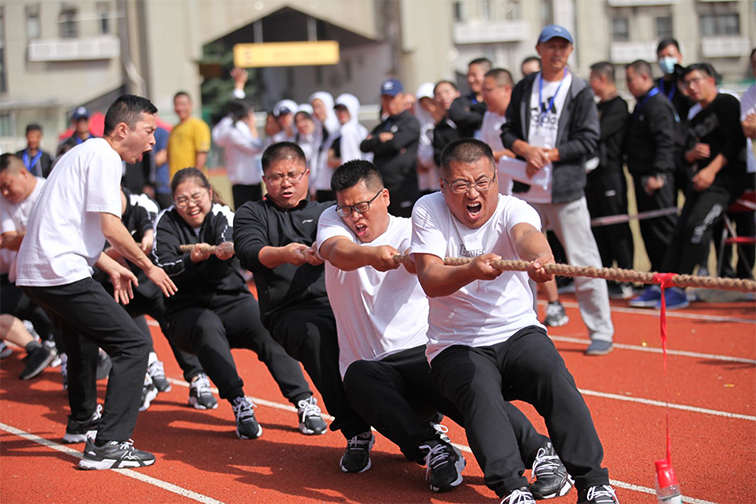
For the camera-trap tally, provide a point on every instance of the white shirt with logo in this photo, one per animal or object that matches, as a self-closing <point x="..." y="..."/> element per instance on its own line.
<point x="544" y="126"/>
<point x="63" y="240"/>
<point x="484" y="312"/>
<point x="14" y="217"/>
<point x="377" y="313"/>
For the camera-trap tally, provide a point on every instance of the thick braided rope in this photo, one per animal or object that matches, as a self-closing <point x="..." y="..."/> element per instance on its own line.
<point x="205" y="248"/>
<point x="619" y="275"/>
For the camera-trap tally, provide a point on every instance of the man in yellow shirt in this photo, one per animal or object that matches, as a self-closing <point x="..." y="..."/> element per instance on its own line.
<point x="189" y="141"/>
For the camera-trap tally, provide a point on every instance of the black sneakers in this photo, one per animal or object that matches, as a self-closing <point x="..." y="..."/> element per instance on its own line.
<point x="157" y="373"/>
<point x="200" y="395"/>
<point x="114" y="455"/>
<point x="79" y="432"/>
<point x="149" y="393"/>
<point x="551" y="478"/>
<point x="519" y="496"/>
<point x="246" y="423"/>
<point x="356" y="458"/>
<point x="444" y="465"/>
<point x="39" y="358"/>
<point x="603" y="494"/>
<point x="310" y="420"/>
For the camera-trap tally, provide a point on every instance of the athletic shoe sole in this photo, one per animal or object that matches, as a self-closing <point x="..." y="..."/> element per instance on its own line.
<point x="651" y="303"/>
<point x="165" y="388"/>
<point x="79" y="438"/>
<point x="99" y="465"/>
<point x="557" y="323"/>
<point x="460" y="465"/>
<point x="41" y="367"/>
<point x="242" y="436"/>
<point x="310" y="432"/>
<point x="196" y="405"/>
<point x="564" y="490"/>
<point x="151" y="395"/>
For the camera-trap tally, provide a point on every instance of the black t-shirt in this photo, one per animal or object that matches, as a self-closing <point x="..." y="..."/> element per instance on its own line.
<point x="718" y="125"/>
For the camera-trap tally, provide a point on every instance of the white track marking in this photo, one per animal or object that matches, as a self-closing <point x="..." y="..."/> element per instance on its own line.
<point x="670" y="314"/>
<point x="125" y="472"/>
<point x="466" y="449"/>
<point x="640" y="348"/>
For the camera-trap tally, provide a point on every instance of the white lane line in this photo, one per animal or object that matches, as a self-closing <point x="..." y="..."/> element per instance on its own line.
<point x="466" y="449"/>
<point x="662" y="404"/>
<point x="640" y="348"/>
<point x="125" y="472"/>
<point x="670" y="314"/>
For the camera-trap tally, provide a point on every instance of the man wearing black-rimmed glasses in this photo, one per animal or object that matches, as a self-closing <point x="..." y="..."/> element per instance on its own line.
<point x="272" y="239"/>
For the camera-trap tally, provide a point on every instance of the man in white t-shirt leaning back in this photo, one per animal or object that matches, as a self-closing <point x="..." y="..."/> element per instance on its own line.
<point x="485" y="344"/>
<point x="80" y="207"/>
<point x="382" y="320"/>
<point x="553" y="125"/>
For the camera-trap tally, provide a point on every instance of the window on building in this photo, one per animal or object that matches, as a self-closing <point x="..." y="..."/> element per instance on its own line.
<point x="3" y="87"/>
<point x="69" y="25"/>
<point x="103" y="16"/>
<point x="485" y="10"/>
<point x="547" y="12"/>
<point x="33" y="27"/>
<point x="715" y="25"/>
<point x="620" y="29"/>
<point x="7" y="125"/>
<point x="513" y="10"/>
<point x="459" y="11"/>
<point x="664" y="27"/>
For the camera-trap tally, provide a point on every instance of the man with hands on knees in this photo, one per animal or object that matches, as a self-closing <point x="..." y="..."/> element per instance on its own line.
<point x="485" y="344"/>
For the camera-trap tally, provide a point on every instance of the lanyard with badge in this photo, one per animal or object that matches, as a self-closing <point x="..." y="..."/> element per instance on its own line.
<point x="671" y="93"/>
<point x="30" y="164"/>
<point x="653" y="92"/>
<point x="545" y="136"/>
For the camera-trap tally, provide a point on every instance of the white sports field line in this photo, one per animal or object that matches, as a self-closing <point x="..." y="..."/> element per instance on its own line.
<point x="670" y="314"/>
<point x="125" y="472"/>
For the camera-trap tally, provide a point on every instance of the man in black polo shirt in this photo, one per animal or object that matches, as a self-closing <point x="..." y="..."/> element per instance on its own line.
<point x="273" y="240"/>
<point x="468" y="110"/>
<point x="394" y="143"/>
<point x="650" y="148"/>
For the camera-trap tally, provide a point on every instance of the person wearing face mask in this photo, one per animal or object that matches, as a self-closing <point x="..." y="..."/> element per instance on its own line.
<point x="394" y="143"/>
<point x="215" y="311"/>
<point x="467" y="111"/>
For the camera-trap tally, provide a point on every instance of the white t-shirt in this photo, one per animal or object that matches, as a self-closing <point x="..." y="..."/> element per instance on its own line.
<point x="490" y="133"/>
<point x="484" y="312"/>
<point x="14" y="217"/>
<point x="377" y="313"/>
<point x="544" y="126"/>
<point x="63" y="240"/>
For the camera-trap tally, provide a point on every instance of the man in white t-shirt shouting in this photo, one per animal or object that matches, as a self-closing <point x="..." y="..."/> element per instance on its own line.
<point x="78" y="209"/>
<point x="382" y="319"/>
<point x="552" y="124"/>
<point x="485" y="344"/>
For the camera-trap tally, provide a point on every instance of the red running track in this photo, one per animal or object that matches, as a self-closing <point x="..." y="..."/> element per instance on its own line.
<point x="712" y="389"/>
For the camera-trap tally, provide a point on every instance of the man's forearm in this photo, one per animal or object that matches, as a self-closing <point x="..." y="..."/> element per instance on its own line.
<point x="345" y="255"/>
<point x="122" y="241"/>
<point x="12" y="240"/>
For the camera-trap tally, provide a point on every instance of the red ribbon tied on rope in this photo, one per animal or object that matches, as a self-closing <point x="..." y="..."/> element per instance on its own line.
<point x="665" y="280"/>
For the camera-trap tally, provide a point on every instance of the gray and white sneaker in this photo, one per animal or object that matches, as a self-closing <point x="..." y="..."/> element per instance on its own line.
<point x="149" y="393"/>
<point x="79" y="432"/>
<point x="114" y="455"/>
<point x="519" y="496"/>
<point x="356" y="458"/>
<point x="555" y="315"/>
<point x="200" y="395"/>
<point x="247" y="426"/>
<point x="444" y="465"/>
<point x="551" y="477"/>
<point x="310" y="419"/>
<point x="157" y="373"/>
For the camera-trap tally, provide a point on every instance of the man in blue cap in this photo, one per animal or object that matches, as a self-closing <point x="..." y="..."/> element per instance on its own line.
<point x="394" y="143"/>
<point x="553" y="125"/>
<point x="80" y="123"/>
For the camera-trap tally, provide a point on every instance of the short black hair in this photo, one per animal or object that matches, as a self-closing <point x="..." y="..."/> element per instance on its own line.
<point x="445" y="82"/>
<point x="640" y="66"/>
<point x="127" y="109"/>
<point x="238" y="109"/>
<point x="481" y="61"/>
<point x="529" y="59"/>
<point x="33" y="127"/>
<point x="706" y="68"/>
<point x="280" y="151"/>
<point x="606" y="69"/>
<point x="465" y="150"/>
<point x="199" y="178"/>
<point x="182" y="93"/>
<point x="665" y="43"/>
<point x="503" y="77"/>
<point x="7" y="159"/>
<point x="352" y="172"/>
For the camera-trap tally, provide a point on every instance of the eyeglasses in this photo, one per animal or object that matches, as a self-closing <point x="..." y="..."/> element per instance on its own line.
<point x="278" y="178"/>
<point x="695" y="80"/>
<point x="463" y="186"/>
<point x="183" y="202"/>
<point x="361" y="207"/>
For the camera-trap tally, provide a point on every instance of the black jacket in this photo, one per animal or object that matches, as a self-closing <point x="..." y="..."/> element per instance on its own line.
<point x="613" y="117"/>
<point x="467" y="113"/>
<point x="42" y="167"/>
<point x="397" y="158"/>
<point x="650" y="139"/>
<point x="197" y="283"/>
<point x="444" y="133"/>
<point x="261" y="224"/>
<point x="577" y="136"/>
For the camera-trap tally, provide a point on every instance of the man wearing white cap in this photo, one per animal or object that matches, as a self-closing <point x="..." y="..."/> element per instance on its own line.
<point x="553" y="125"/>
<point x="284" y="114"/>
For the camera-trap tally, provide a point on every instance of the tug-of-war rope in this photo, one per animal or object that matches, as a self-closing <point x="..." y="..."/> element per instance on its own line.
<point x="616" y="274"/>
